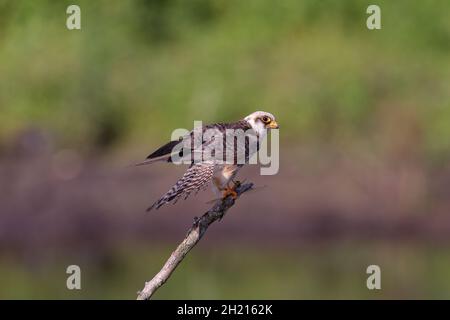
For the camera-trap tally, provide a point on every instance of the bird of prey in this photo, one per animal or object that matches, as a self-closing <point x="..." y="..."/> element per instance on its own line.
<point x="212" y="166"/>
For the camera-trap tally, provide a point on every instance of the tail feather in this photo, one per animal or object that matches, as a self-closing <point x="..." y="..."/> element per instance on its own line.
<point x="195" y="178"/>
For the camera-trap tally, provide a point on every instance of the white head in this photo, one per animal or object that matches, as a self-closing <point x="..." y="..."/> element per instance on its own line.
<point x="260" y="121"/>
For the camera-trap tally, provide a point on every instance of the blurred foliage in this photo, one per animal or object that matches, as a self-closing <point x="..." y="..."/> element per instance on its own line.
<point x="139" y="69"/>
<point x="320" y="271"/>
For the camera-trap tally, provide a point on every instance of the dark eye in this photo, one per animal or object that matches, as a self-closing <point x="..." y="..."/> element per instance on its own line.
<point x="266" y="119"/>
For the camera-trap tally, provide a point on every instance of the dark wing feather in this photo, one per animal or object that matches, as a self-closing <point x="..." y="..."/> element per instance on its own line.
<point x="163" y="153"/>
<point x="164" y="150"/>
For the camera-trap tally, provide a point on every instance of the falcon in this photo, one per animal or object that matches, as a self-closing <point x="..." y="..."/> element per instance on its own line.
<point x="214" y="155"/>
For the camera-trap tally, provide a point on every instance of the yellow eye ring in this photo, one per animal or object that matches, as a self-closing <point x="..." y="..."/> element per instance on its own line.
<point x="265" y="119"/>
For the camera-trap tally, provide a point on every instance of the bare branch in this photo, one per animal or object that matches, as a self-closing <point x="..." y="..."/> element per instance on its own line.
<point x="193" y="236"/>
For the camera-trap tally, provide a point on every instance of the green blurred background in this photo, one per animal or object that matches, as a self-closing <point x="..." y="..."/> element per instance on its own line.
<point x="365" y="125"/>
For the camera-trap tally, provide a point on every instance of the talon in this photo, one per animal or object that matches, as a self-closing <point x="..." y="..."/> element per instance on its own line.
<point x="230" y="192"/>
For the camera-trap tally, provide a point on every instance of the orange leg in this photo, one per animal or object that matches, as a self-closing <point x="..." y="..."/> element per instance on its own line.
<point x="230" y="191"/>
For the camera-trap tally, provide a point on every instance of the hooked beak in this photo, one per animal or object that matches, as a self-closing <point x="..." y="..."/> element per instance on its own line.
<point x="273" y="125"/>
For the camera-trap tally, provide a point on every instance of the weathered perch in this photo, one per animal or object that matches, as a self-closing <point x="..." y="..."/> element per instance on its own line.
<point x="193" y="236"/>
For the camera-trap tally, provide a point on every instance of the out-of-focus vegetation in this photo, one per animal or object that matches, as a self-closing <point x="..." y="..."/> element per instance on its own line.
<point x="365" y="127"/>
<point x="138" y="69"/>
<point x="319" y="272"/>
